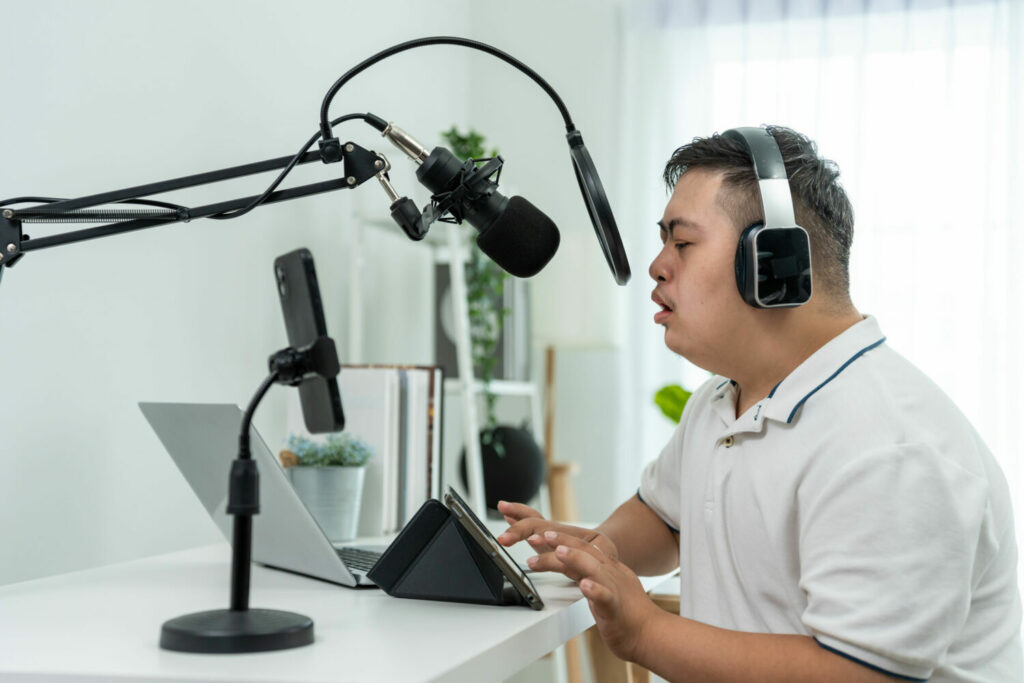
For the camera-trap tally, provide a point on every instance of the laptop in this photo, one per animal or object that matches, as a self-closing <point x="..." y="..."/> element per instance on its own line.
<point x="202" y="439"/>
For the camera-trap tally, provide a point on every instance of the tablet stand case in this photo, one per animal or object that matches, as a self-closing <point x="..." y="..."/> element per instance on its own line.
<point x="434" y="558"/>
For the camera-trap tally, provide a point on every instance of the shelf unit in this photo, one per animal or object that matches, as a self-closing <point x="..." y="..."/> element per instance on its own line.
<point x="450" y="245"/>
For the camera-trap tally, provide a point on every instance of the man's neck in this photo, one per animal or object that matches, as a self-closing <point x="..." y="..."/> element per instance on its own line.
<point x="781" y="349"/>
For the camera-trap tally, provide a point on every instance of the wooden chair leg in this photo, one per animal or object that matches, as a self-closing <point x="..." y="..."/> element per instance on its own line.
<point x="638" y="674"/>
<point x="607" y="668"/>
<point x="574" y="661"/>
<point x="560" y="497"/>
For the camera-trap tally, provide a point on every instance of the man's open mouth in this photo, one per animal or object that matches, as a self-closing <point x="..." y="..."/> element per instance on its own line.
<point x="665" y="311"/>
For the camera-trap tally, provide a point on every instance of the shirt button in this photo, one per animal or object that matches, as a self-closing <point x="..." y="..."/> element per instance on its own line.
<point x="728" y="441"/>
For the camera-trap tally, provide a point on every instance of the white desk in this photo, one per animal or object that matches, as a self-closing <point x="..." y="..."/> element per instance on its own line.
<point x="104" y="624"/>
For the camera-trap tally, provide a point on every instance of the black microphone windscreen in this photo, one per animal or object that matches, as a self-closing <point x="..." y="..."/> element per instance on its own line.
<point x="521" y="240"/>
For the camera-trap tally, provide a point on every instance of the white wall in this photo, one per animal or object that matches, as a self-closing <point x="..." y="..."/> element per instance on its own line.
<point x="104" y="94"/>
<point x="575" y="46"/>
<point x="100" y="95"/>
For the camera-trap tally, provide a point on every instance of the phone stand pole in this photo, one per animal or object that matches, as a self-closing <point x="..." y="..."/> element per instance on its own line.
<point x="240" y="629"/>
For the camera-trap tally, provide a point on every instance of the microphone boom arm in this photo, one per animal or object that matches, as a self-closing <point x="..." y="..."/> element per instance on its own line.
<point x="360" y="165"/>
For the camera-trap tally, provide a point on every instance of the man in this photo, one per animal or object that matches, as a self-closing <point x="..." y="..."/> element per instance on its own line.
<point x="834" y="516"/>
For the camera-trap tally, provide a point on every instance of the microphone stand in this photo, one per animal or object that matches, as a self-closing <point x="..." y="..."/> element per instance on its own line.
<point x="239" y="628"/>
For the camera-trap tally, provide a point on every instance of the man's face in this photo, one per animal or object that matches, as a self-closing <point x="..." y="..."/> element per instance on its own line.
<point x="701" y="308"/>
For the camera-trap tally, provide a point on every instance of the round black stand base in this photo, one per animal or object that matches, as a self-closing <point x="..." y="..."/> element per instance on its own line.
<point x="224" y="631"/>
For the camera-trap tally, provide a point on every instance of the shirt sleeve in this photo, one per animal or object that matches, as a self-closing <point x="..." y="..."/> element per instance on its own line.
<point x="656" y="485"/>
<point x="887" y="552"/>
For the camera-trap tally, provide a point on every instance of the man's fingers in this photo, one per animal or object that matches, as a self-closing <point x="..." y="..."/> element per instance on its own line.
<point x="522" y="530"/>
<point x="525" y="529"/>
<point x="578" y="561"/>
<point x="538" y="543"/>
<point x="598" y="595"/>
<point x="549" y="562"/>
<point x="517" y="510"/>
<point x="523" y="522"/>
<point x="566" y="553"/>
<point x="556" y="538"/>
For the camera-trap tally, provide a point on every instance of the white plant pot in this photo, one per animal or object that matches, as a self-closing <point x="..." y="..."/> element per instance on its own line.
<point x="332" y="495"/>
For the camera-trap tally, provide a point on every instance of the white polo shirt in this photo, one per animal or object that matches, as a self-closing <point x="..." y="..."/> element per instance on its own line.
<point x="854" y="504"/>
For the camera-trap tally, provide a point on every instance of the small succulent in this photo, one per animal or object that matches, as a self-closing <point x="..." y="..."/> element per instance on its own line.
<point x="339" y="450"/>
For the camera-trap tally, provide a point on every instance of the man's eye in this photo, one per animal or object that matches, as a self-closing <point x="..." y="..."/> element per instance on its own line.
<point x="680" y="245"/>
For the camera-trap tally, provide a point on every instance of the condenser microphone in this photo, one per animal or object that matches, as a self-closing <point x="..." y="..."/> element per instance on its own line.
<point x="512" y="232"/>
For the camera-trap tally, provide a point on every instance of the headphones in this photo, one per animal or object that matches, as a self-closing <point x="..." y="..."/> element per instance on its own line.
<point x="773" y="258"/>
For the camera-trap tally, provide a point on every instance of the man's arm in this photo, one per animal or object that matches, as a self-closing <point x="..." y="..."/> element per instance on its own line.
<point x="633" y="534"/>
<point x="645" y="543"/>
<point x="680" y="649"/>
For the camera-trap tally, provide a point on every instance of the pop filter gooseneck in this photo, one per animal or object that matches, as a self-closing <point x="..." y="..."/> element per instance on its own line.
<point x="586" y="173"/>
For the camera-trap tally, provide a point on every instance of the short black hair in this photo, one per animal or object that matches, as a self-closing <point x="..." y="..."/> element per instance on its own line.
<point x="819" y="200"/>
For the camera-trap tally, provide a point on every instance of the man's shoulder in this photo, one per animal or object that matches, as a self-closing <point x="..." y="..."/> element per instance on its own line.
<point x="886" y="389"/>
<point x="884" y="401"/>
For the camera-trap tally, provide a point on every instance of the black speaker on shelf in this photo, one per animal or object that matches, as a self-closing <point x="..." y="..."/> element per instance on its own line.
<point x="514" y="474"/>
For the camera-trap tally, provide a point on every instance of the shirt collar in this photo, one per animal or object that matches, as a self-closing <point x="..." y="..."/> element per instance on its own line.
<point x="723" y="403"/>
<point x="784" y="402"/>
<point x="823" y="366"/>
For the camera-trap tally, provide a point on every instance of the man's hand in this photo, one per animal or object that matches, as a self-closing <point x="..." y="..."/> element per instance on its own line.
<point x="526" y="524"/>
<point x="617" y="600"/>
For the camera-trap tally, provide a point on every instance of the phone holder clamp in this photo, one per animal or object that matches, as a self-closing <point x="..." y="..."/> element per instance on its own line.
<point x="291" y="366"/>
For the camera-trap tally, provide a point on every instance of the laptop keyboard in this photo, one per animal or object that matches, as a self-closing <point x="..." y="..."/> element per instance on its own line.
<point x="356" y="558"/>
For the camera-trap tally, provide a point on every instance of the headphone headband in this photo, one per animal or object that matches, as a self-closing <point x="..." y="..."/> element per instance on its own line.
<point x="773" y="259"/>
<point x="771" y="174"/>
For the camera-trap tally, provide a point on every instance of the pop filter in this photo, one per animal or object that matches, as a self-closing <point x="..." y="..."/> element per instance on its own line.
<point x="598" y="208"/>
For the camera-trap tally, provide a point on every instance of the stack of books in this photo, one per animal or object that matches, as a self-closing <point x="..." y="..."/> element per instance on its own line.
<point x="397" y="411"/>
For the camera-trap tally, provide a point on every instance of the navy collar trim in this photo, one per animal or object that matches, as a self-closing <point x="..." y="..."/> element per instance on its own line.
<point x="831" y="377"/>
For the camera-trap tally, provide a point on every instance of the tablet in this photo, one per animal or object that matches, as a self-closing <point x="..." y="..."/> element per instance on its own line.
<point x="483" y="537"/>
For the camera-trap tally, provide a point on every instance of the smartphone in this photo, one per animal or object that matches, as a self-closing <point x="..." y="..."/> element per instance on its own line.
<point x="483" y="537"/>
<point x="304" y="320"/>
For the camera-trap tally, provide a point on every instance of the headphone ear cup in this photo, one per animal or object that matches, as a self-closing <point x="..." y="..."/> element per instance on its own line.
<point x="773" y="266"/>
<point x="745" y="265"/>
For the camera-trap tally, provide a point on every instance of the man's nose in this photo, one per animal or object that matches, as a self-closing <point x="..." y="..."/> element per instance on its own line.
<point x="658" y="269"/>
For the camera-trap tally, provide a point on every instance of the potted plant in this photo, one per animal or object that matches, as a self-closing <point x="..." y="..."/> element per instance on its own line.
<point x="328" y="476"/>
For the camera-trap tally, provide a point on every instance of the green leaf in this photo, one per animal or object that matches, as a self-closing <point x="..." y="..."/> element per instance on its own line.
<point x="672" y="399"/>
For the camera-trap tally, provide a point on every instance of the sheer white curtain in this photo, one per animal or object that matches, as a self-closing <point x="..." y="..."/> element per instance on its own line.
<point x="920" y="104"/>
